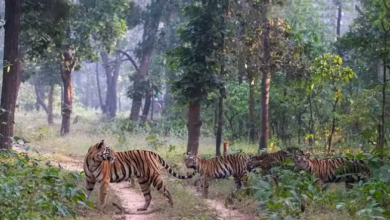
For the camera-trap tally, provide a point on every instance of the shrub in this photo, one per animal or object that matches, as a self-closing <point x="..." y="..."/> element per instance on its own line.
<point x="29" y="190"/>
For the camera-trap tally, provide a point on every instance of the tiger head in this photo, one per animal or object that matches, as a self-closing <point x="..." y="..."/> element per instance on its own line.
<point x="191" y="161"/>
<point x="250" y="165"/>
<point x="101" y="152"/>
<point x="302" y="161"/>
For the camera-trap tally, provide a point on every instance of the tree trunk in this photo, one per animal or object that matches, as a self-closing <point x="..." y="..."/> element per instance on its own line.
<point x="220" y="126"/>
<point x="251" y="121"/>
<point x="194" y="124"/>
<point x="40" y="94"/>
<point x="137" y="98"/>
<point x="339" y="15"/>
<point x="11" y="71"/>
<point x="67" y="66"/>
<point x="152" y="107"/>
<point x="265" y="86"/>
<point x="333" y="126"/>
<point x="98" y="88"/>
<point x="148" y="40"/>
<point x="145" y="112"/>
<point x="112" y="81"/>
<point x="119" y="103"/>
<point x="50" y="105"/>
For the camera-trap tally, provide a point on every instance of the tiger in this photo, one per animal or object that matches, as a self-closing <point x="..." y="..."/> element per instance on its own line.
<point x="334" y="170"/>
<point x="104" y="165"/>
<point x="219" y="167"/>
<point x="267" y="160"/>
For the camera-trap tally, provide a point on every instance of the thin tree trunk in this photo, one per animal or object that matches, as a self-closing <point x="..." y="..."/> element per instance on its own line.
<point x="98" y="87"/>
<point x="333" y="126"/>
<point x="152" y="107"/>
<point x="339" y="16"/>
<point x="112" y="74"/>
<point x="137" y="97"/>
<point x="40" y="96"/>
<point x="219" y="128"/>
<point x="11" y="71"/>
<point x="66" y="75"/>
<point x="50" y="105"/>
<point x="265" y="86"/>
<point x="145" y="112"/>
<point x="119" y="103"/>
<point x="194" y="124"/>
<point x="251" y="121"/>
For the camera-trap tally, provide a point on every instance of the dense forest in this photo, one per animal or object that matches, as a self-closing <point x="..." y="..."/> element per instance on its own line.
<point x="183" y="77"/>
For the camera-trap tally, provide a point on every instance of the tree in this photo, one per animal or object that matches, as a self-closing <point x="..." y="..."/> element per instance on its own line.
<point x="67" y="30"/>
<point x="328" y="69"/>
<point x="112" y="70"/>
<point x="11" y="71"/>
<point x="366" y="45"/>
<point x="44" y="76"/>
<point x="144" y="53"/>
<point x="266" y="80"/>
<point x="197" y="59"/>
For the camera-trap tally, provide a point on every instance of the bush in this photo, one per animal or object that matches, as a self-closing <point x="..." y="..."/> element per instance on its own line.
<point x="30" y="191"/>
<point x="296" y="190"/>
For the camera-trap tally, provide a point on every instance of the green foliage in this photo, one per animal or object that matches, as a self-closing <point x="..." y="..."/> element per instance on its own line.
<point x="285" y="199"/>
<point x="298" y="189"/>
<point x="328" y="69"/>
<point x="197" y="58"/>
<point x="154" y="142"/>
<point x="51" y="26"/>
<point x="31" y="191"/>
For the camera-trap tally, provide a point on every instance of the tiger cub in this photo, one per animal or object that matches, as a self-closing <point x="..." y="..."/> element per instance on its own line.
<point x="219" y="167"/>
<point x="334" y="170"/>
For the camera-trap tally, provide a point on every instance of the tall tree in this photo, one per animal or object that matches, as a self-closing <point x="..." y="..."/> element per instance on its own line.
<point x="266" y="80"/>
<point x="112" y="70"/>
<point x="68" y="29"/>
<point x="222" y="92"/>
<point x="197" y="59"/>
<point x="11" y="71"/>
<point x="144" y="52"/>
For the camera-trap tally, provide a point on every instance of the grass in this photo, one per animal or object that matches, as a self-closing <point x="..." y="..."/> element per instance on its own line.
<point x="90" y="129"/>
<point x="46" y="140"/>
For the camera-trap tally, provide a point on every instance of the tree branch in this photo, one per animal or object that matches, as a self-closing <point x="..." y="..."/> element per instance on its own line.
<point x="130" y="58"/>
<point x="359" y="10"/>
<point x="386" y="6"/>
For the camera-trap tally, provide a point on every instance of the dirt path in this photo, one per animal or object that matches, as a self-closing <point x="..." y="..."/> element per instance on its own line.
<point x="223" y="212"/>
<point x="131" y="199"/>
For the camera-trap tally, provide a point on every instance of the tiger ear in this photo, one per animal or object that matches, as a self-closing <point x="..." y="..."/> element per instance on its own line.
<point x="307" y="155"/>
<point x="100" y="145"/>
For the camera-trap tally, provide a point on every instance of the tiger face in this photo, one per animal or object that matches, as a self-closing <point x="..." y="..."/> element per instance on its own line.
<point x="101" y="152"/>
<point x="251" y="162"/>
<point x="302" y="161"/>
<point x="191" y="161"/>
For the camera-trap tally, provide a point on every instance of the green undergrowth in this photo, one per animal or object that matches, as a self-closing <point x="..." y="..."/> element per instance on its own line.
<point x="296" y="192"/>
<point x="30" y="189"/>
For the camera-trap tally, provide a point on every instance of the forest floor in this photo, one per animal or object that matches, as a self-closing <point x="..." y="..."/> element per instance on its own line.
<point x="68" y="153"/>
<point x="131" y="198"/>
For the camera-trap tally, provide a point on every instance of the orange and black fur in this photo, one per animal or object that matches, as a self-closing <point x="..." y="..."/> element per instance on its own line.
<point x="334" y="170"/>
<point x="267" y="160"/>
<point x="103" y="165"/>
<point x="219" y="167"/>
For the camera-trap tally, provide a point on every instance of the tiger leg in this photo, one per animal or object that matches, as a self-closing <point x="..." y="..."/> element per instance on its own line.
<point x="132" y="182"/>
<point x="160" y="186"/>
<point x="89" y="186"/>
<point x="145" y="188"/>
<point x="238" y="182"/>
<point x="103" y="194"/>
<point x="205" y="184"/>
